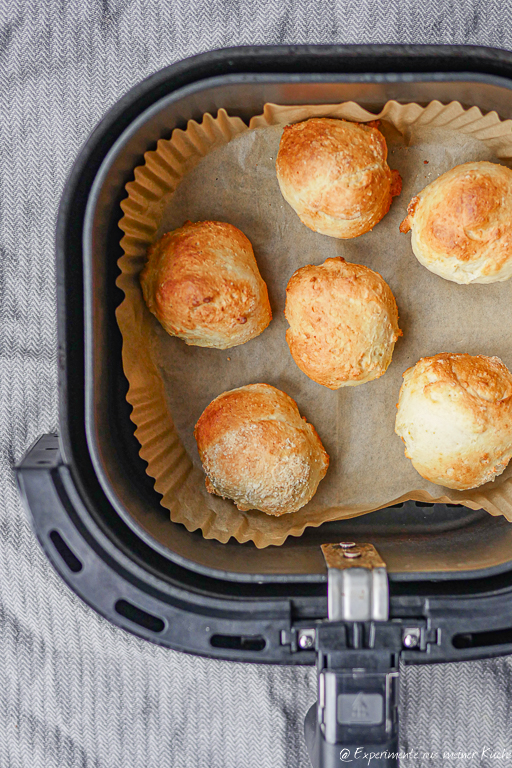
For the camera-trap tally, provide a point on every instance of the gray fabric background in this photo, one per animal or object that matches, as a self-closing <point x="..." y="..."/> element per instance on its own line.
<point x="74" y="690"/>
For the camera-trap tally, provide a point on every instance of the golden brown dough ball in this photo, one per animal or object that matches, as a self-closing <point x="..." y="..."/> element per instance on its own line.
<point x="455" y="419"/>
<point x="202" y="283"/>
<point x="257" y="450"/>
<point x="462" y="224"/>
<point x="335" y="176"/>
<point x="343" y="323"/>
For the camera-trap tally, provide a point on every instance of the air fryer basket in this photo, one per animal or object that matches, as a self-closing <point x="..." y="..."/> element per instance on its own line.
<point x="458" y="539"/>
<point x="94" y="508"/>
<point x="92" y="504"/>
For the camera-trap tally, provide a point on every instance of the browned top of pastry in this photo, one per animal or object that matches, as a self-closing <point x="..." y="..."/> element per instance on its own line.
<point x="335" y="176"/>
<point x="202" y="283"/>
<point x="462" y="223"/>
<point x="343" y="322"/>
<point x="257" y="450"/>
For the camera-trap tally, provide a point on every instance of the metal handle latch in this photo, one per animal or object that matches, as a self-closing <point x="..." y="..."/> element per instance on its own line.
<point x="357" y="583"/>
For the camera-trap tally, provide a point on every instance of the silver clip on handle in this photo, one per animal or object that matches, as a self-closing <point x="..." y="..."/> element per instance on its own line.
<point x="357" y="588"/>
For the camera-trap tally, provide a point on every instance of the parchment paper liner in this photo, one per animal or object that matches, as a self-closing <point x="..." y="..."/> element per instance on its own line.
<point x="176" y="478"/>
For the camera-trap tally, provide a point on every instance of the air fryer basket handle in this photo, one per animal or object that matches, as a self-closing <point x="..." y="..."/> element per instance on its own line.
<point x="355" y="721"/>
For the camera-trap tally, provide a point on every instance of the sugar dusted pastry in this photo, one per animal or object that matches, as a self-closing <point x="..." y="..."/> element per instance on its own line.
<point x="335" y="176"/>
<point x="455" y="418"/>
<point x="202" y="283"/>
<point x="461" y="224"/>
<point x="257" y="450"/>
<point x="343" y="323"/>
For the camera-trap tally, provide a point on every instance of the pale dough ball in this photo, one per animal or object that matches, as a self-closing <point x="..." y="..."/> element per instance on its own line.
<point x="455" y="418"/>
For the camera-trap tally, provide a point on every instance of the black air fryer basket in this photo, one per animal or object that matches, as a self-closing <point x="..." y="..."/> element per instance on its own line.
<point x="446" y="591"/>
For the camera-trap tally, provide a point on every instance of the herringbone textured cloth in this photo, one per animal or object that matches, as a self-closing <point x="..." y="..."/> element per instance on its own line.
<point x="74" y="690"/>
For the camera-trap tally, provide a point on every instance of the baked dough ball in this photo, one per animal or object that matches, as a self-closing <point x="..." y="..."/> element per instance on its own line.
<point x="257" y="450"/>
<point x="335" y="176"/>
<point x="202" y="283"/>
<point x="455" y="418"/>
<point x="343" y="323"/>
<point x="462" y="224"/>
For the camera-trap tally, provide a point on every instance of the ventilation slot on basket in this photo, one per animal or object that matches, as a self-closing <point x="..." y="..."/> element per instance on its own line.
<point x="482" y="639"/>
<point x="238" y="642"/>
<point x="71" y="560"/>
<point x="138" y="616"/>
